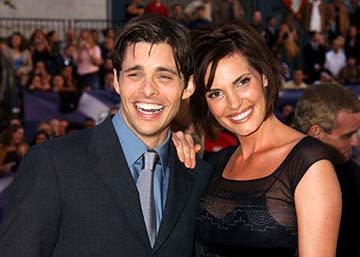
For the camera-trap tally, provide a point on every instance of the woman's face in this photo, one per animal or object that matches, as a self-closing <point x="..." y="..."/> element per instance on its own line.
<point x="15" y="41"/>
<point x="36" y="81"/>
<point x="40" y="138"/>
<point x="237" y="95"/>
<point x="58" y="81"/>
<point x="18" y="136"/>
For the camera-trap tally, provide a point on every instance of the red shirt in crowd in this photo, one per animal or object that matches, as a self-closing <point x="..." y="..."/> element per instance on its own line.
<point x="158" y="8"/>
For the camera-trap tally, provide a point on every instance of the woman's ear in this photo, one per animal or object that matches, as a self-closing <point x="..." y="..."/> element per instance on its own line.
<point x="116" y="82"/>
<point x="265" y="81"/>
<point x="190" y="88"/>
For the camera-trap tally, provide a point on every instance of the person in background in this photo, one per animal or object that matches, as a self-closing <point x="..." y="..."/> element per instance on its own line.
<point x="45" y="126"/>
<point x="226" y="11"/>
<point x="157" y="7"/>
<point x="352" y="43"/>
<point x="335" y="58"/>
<point x="178" y="15"/>
<point x="109" y="82"/>
<point x="315" y="16"/>
<point x="350" y="74"/>
<point x="331" y="114"/>
<point x="10" y="139"/>
<point x="340" y="15"/>
<point x="134" y="9"/>
<point x="40" y="137"/>
<point x="109" y="32"/>
<point x="278" y="190"/>
<point x="37" y="83"/>
<point x="314" y="56"/>
<point x="325" y="77"/>
<point x="88" y="61"/>
<point x="20" y="57"/>
<point x="41" y="52"/>
<point x="297" y="82"/>
<point x="68" y="58"/>
<point x="287" y="48"/>
<point x="70" y="82"/>
<point x="190" y="9"/>
<point x="63" y="125"/>
<point x="89" y="123"/>
<point x="70" y="39"/>
<point x="55" y="127"/>
<point x="271" y="32"/>
<point x="82" y="194"/>
<point x="200" y="19"/>
<point x="257" y="22"/>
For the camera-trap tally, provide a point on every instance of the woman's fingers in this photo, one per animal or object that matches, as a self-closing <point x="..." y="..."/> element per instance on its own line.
<point x="186" y="149"/>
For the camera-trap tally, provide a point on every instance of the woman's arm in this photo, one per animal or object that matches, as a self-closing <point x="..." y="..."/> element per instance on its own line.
<point x="318" y="211"/>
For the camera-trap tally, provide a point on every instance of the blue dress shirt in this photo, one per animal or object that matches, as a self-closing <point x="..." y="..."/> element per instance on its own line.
<point x="133" y="149"/>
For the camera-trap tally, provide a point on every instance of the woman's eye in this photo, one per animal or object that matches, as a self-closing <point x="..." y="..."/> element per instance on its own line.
<point x="243" y="82"/>
<point x="214" y="94"/>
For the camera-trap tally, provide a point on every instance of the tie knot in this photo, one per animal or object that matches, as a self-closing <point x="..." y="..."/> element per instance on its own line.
<point x="150" y="159"/>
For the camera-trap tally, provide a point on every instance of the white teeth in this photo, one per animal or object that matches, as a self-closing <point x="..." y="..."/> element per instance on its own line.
<point x="148" y="108"/>
<point x="241" y="116"/>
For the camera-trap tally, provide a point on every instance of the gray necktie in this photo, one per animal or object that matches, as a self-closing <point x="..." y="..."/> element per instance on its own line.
<point x="146" y="193"/>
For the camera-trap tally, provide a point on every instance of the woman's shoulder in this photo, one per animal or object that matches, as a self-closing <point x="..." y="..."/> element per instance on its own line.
<point x="311" y="148"/>
<point x="304" y="154"/>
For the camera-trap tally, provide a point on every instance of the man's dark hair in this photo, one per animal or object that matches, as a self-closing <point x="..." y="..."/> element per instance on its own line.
<point x="155" y="29"/>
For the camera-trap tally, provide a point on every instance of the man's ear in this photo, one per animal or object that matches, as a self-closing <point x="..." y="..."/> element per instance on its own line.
<point x="316" y="131"/>
<point x="116" y="82"/>
<point x="189" y="90"/>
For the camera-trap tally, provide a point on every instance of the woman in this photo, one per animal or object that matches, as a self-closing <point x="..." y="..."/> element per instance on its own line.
<point x="10" y="139"/>
<point x="20" y="57"/>
<point x="276" y="194"/>
<point x="40" y="137"/>
<point x="88" y="61"/>
<point x="352" y="44"/>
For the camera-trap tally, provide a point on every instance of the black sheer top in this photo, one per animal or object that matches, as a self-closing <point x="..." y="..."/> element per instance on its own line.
<point x="249" y="217"/>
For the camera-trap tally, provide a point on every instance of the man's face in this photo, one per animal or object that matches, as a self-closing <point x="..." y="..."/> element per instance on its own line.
<point x="344" y="137"/>
<point x="150" y="89"/>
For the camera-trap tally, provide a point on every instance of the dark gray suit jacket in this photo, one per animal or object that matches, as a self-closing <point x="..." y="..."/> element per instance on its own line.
<point x="75" y="196"/>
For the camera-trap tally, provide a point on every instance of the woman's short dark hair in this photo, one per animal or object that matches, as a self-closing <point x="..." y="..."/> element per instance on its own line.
<point x="215" y="43"/>
<point x="155" y="29"/>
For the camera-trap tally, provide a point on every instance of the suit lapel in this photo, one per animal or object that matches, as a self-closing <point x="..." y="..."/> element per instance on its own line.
<point x="180" y="186"/>
<point x="111" y="168"/>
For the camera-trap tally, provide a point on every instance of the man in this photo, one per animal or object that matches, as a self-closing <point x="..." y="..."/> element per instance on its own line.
<point x="191" y="9"/>
<point x="315" y="16"/>
<point x="314" y="56"/>
<point x="83" y="194"/>
<point x="297" y="82"/>
<point x="331" y="113"/>
<point x="335" y="58"/>
<point x="257" y="22"/>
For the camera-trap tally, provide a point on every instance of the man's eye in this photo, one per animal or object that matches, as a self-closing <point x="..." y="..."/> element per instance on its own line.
<point x="165" y="77"/>
<point x="348" y="136"/>
<point x="135" y="75"/>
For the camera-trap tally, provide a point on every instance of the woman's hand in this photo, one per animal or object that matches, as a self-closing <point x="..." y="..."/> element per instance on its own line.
<point x="186" y="148"/>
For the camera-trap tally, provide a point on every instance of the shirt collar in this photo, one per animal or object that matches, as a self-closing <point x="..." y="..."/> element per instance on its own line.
<point x="137" y="147"/>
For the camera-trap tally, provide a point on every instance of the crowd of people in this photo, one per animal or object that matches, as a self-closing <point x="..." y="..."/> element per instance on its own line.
<point x="286" y="185"/>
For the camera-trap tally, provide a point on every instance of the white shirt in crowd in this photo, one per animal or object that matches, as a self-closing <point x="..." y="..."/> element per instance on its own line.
<point x="334" y="61"/>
